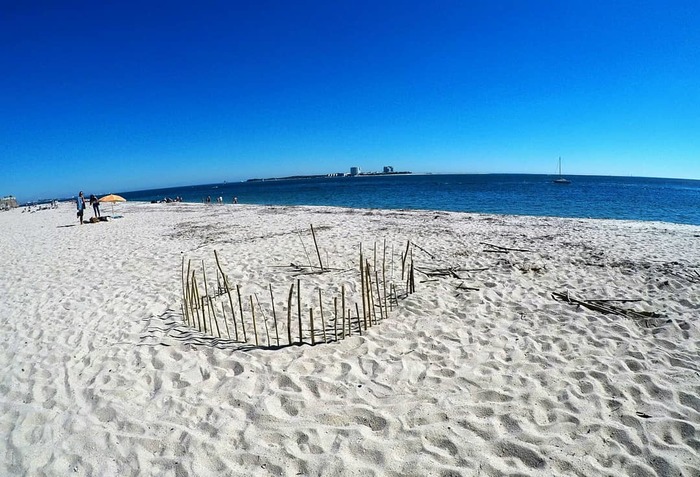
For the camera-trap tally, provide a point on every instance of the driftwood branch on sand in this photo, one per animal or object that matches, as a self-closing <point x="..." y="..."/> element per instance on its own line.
<point x="693" y="276"/>
<point x="462" y="286"/>
<point x="648" y="319"/>
<point x="448" y="272"/>
<point x="500" y="249"/>
<point x="423" y="250"/>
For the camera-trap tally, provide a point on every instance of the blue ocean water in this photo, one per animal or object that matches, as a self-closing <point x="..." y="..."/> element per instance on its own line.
<point x="669" y="200"/>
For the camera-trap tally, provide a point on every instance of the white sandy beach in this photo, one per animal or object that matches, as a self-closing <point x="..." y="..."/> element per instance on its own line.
<point x="478" y="373"/>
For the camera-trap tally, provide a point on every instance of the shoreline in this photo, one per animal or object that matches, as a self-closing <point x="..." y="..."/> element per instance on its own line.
<point x="389" y="210"/>
<point x="479" y="371"/>
<point x="605" y="198"/>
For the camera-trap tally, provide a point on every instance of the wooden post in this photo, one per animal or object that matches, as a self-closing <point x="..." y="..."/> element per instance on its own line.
<point x="375" y="254"/>
<point x="223" y="312"/>
<point x="408" y="282"/>
<point x="301" y="341"/>
<point x="379" y="296"/>
<point x="188" y="300"/>
<point x="240" y="307"/>
<point x="359" y="324"/>
<point x="413" y="278"/>
<point x="289" y="314"/>
<point x="386" y="310"/>
<point x="255" y="326"/>
<point x="403" y="259"/>
<point x="233" y="310"/>
<point x="363" y="289"/>
<point x="305" y="252"/>
<point x="316" y="245"/>
<point x="206" y="294"/>
<point x="311" y="321"/>
<point x="184" y="293"/>
<point x="230" y="299"/>
<point x="213" y="314"/>
<point x="204" y="315"/>
<point x="343" y="307"/>
<point x="335" y="322"/>
<point x="370" y="297"/>
<point x="274" y="315"/>
<point x="267" y="331"/>
<point x="195" y="301"/>
<point x="323" y="320"/>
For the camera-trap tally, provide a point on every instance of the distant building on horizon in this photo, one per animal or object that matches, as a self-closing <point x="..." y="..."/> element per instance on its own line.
<point x="354" y="171"/>
<point x="388" y="169"/>
<point x="7" y="203"/>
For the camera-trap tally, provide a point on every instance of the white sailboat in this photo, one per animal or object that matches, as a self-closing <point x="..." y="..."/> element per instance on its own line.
<point x="560" y="179"/>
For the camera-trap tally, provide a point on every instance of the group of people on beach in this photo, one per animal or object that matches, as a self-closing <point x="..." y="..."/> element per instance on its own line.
<point x="167" y="200"/>
<point x="219" y="200"/>
<point x="94" y="202"/>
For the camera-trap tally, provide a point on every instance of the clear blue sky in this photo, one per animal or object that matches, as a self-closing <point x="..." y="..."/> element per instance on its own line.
<point x="117" y="96"/>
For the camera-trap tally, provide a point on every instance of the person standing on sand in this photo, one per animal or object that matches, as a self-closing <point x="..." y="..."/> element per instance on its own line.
<point x="81" y="206"/>
<point x="95" y="205"/>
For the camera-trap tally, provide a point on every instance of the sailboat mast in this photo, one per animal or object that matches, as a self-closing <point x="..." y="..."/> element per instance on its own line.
<point x="559" y="166"/>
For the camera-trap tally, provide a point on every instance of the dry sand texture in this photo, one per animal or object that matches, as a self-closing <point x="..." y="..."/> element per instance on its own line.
<point x="101" y="377"/>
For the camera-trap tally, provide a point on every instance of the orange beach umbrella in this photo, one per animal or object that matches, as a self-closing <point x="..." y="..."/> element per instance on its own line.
<point x="112" y="198"/>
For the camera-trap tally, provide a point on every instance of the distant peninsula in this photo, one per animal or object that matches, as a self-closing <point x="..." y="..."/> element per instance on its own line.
<point x="332" y="174"/>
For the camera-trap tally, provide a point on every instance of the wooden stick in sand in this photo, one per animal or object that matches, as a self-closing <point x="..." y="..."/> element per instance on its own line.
<point x="240" y="307"/>
<point x="499" y="249"/>
<point x="363" y="288"/>
<point x="407" y="284"/>
<point x="230" y="298"/>
<point x="311" y="322"/>
<point x="204" y="316"/>
<point x="379" y="296"/>
<point x="188" y="301"/>
<point x="299" y="309"/>
<point x="359" y="323"/>
<point x="223" y="312"/>
<point x="184" y="293"/>
<point x="213" y="314"/>
<point x="370" y="297"/>
<point x="262" y="312"/>
<point x="323" y="321"/>
<point x="316" y="244"/>
<point x="274" y="315"/>
<point x="424" y="250"/>
<point x="335" y="322"/>
<point x="384" y="278"/>
<point x="614" y="299"/>
<point x="403" y="260"/>
<point x="413" y="277"/>
<point x="289" y="314"/>
<point x="375" y="254"/>
<point x="188" y="292"/>
<point x="343" y="307"/>
<point x="195" y="300"/>
<point x="255" y="326"/>
<point x="305" y="252"/>
<point x="206" y="294"/>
